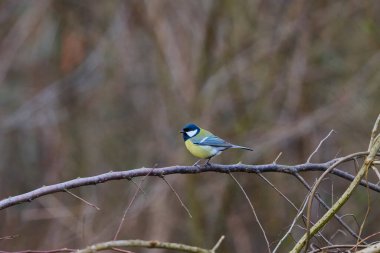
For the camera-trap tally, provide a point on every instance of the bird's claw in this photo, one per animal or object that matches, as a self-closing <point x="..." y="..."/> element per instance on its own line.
<point x="196" y="164"/>
<point x="207" y="163"/>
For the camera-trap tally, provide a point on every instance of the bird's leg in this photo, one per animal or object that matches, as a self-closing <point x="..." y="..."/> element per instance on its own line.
<point x="196" y="164"/>
<point x="208" y="162"/>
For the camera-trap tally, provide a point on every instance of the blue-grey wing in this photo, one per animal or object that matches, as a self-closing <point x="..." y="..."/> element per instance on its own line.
<point x="213" y="141"/>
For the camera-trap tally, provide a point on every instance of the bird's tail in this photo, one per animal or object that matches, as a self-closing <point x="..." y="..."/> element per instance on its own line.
<point x="241" y="147"/>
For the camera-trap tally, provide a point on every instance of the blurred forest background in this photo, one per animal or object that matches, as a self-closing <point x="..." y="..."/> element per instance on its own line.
<point x="87" y="88"/>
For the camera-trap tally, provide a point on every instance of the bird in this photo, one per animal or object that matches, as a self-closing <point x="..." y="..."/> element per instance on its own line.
<point x="203" y="144"/>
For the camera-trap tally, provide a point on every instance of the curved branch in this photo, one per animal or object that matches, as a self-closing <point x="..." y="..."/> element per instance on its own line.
<point x="219" y="168"/>
<point x="143" y="244"/>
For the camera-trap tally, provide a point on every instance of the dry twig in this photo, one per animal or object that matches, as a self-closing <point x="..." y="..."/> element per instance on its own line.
<point x="290" y="202"/>
<point x="178" y="197"/>
<point x="129" y="206"/>
<point x="323" y="203"/>
<point x="253" y="210"/>
<point x="83" y="200"/>
<point x="374" y="148"/>
<point x="299" y="214"/>
<point x="319" y="145"/>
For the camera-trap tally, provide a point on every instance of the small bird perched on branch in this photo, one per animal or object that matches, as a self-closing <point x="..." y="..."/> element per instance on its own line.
<point x="203" y="144"/>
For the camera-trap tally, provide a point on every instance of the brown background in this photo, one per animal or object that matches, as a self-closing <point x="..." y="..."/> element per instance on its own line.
<point x="91" y="87"/>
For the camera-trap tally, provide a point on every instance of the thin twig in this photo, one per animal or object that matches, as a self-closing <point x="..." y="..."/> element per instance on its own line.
<point x="125" y="214"/>
<point x="178" y="197"/>
<point x="279" y="192"/>
<point x="323" y="249"/>
<point x="290" y="202"/>
<point x="278" y="157"/>
<point x="353" y="217"/>
<point x="299" y="214"/>
<point x="81" y="199"/>
<point x="339" y="231"/>
<point x="340" y="202"/>
<point x="319" y="145"/>
<point x="122" y="250"/>
<point x="359" y="243"/>
<point x="129" y="206"/>
<point x="374" y="248"/>
<point x="313" y="192"/>
<point x="339" y="219"/>
<point x="217" y="244"/>
<point x="253" y="210"/>
<point x="138" y="186"/>
<point x="376" y="171"/>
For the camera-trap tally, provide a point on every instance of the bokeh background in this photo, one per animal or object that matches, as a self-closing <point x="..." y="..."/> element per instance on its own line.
<point x="91" y="87"/>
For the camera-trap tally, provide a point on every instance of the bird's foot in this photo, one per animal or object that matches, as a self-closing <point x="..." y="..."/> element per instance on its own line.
<point x="197" y="163"/>
<point x="207" y="163"/>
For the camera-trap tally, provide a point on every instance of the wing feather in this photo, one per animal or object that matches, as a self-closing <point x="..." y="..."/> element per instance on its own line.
<point x="213" y="141"/>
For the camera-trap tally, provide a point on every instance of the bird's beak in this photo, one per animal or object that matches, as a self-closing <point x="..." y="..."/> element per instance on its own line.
<point x="181" y="132"/>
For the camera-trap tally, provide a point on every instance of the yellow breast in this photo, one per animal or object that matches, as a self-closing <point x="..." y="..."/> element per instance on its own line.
<point x="200" y="151"/>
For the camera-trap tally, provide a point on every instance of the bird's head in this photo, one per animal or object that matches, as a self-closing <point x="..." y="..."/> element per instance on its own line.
<point x="190" y="130"/>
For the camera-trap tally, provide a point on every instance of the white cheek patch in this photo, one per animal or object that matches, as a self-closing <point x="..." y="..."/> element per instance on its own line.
<point x="192" y="133"/>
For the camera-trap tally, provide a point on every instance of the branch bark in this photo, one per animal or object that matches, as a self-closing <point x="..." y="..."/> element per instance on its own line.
<point x="219" y="168"/>
<point x="147" y="244"/>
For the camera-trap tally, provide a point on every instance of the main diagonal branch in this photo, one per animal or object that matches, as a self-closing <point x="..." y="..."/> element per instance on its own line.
<point x="219" y="168"/>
